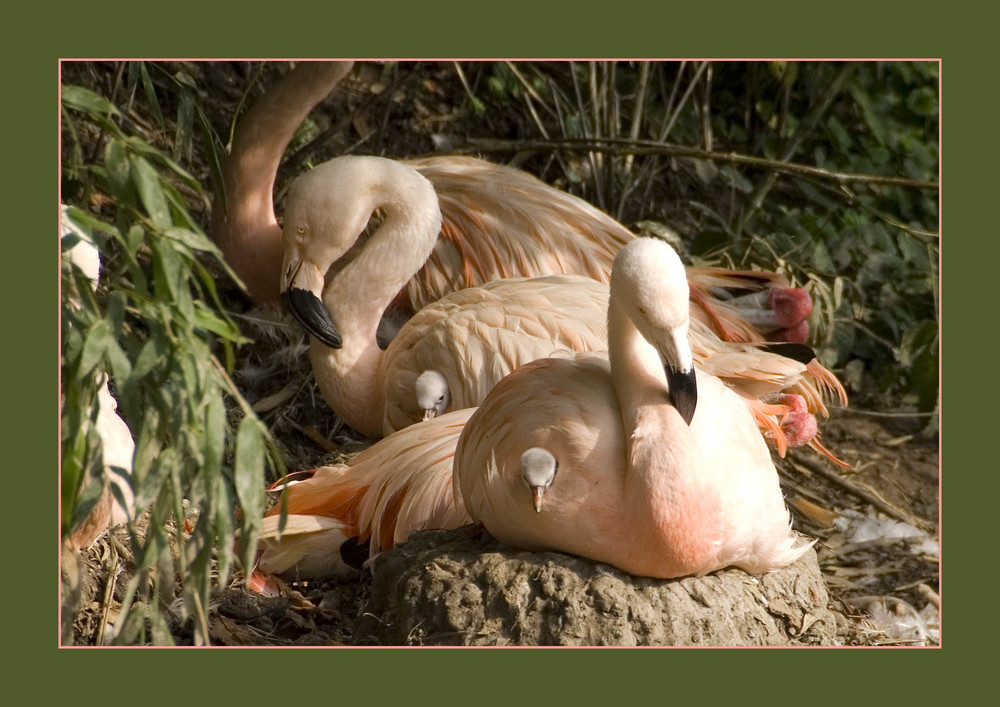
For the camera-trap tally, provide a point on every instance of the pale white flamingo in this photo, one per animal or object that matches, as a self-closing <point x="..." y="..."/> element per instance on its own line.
<point x="633" y="460"/>
<point x="498" y="222"/>
<point x="117" y="445"/>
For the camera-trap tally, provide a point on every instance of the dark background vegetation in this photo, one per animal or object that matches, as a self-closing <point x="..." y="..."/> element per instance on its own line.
<point x="825" y="171"/>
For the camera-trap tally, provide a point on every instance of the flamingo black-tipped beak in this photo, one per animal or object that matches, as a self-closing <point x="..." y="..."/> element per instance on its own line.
<point x="312" y="314"/>
<point x="683" y="391"/>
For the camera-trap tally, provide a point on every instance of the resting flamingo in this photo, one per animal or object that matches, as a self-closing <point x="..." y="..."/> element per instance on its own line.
<point x="472" y="337"/>
<point x="498" y="222"/>
<point x="634" y="460"/>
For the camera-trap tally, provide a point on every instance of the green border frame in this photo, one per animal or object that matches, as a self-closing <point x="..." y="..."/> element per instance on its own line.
<point x="520" y="30"/>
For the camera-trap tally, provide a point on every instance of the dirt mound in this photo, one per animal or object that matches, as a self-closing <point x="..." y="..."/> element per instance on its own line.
<point x="447" y="588"/>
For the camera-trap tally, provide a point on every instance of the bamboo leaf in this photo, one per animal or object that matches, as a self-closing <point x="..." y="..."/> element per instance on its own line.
<point x="147" y="183"/>
<point x="193" y="240"/>
<point x="185" y="122"/>
<point x="86" y="101"/>
<point x="150" y="90"/>
<point x="148" y="488"/>
<point x="117" y="166"/>
<point x="249" y="481"/>
<point x="95" y="346"/>
<point x="223" y="515"/>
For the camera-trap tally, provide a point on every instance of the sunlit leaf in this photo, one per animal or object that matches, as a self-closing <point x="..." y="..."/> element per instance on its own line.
<point x="249" y="482"/>
<point x="85" y="100"/>
<point x="95" y="346"/>
<point x="147" y="182"/>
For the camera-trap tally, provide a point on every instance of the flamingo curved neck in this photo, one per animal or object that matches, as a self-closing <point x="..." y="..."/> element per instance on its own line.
<point x="244" y="224"/>
<point x="394" y="253"/>
<point x="669" y="505"/>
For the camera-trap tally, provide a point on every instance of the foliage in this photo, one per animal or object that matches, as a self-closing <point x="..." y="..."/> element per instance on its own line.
<point x="868" y="253"/>
<point x="155" y="328"/>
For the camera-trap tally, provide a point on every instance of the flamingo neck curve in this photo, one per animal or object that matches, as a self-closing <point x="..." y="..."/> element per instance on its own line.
<point x="243" y="220"/>
<point x="669" y="505"/>
<point x="352" y="376"/>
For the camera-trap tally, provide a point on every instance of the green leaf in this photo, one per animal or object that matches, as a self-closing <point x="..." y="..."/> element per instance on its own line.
<point x="118" y="362"/>
<point x="249" y="482"/>
<point x="86" y="101"/>
<point x="185" y="123"/>
<point x="839" y="133"/>
<point x="85" y="220"/>
<point x="117" y="165"/>
<point x="150" y="90"/>
<point x="148" y="488"/>
<point x="860" y="95"/>
<point x="168" y="272"/>
<point x="223" y="515"/>
<point x="144" y="149"/>
<point x="147" y="182"/>
<point x="88" y="498"/>
<point x="206" y="320"/>
<point x="95" y="346"/>
<point x="193" y="240"/>
<point x="923" y="101"/>
<point x="737" y="179"/>
<point x="215" y="438"/>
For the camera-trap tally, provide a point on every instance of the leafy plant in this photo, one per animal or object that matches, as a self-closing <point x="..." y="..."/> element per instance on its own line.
<point x="157" y="330"/>
<point x="854" y="232"/>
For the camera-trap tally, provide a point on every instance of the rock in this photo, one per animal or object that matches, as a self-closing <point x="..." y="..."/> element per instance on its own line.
<point x="449" y="588"/>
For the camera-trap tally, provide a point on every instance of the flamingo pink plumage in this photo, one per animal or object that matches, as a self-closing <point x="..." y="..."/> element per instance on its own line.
<point x="400" y="484"/>
<point x="614" y="461"/>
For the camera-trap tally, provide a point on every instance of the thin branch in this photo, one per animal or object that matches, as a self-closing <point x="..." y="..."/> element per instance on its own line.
<point x="864" y="493"/>
<point x="680" y="106"/>
<point x="528" y="88"/>
<point x="637" y="110"/>
<point x="873" y="413"/>
<point x="652" y="147"/>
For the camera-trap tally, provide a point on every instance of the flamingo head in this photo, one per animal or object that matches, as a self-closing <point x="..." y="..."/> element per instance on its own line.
<point x="538" y="470"/>
<point x="649" y="280"/>
<point x="433" y="394"/>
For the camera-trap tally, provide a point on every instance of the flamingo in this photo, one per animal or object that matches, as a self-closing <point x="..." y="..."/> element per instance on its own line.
<point x="636" y="459"/>
<point x="117" y="445"/>
<point x="400" y="484"/>
<point x="497" y="222"/>
<point x="472" y="337"/>
<point x="433" y="394"/>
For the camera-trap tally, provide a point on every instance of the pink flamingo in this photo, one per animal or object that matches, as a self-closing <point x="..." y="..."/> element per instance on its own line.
<point x="634" y="460"/>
